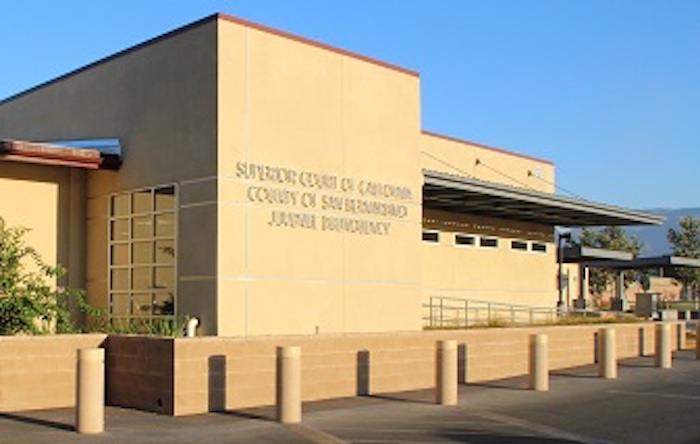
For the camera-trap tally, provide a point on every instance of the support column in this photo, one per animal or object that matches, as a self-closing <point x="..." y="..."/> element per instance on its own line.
<point x="539" y="362"/>
<point x="681" y="336"/>
<point x="446" y="373"/>
<point x="289" y="385"/>
<point x="621" y="291"/>
<point x="90" y="391"/>
<point x="607" y="358"/>
<point x="662" y="357"/>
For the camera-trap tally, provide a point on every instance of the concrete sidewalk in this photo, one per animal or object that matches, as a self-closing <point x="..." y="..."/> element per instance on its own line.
<point x="645" y="405"/>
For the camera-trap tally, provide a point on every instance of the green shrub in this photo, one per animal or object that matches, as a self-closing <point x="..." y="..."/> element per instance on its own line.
<point x="29" y="304"/>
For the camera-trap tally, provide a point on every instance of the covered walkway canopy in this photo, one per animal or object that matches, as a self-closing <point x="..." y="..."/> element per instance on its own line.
<point x="667" y="264"/>
<point x="472" y="196"/>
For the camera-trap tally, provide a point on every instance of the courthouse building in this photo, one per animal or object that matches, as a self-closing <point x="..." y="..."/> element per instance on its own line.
<point x="265" y="183"/>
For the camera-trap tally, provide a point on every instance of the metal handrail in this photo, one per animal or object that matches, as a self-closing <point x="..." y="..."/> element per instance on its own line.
<point x="449" y="311"/>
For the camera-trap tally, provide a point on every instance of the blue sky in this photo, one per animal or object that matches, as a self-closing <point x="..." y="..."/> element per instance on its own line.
<point x="608" y="90"/>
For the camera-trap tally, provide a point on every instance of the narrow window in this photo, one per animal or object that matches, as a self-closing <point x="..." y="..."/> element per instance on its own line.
<point x="465" y="239"/>
<point x="489" y="242"/>
<point x="518" y="245"/>
<point x="539" y="247"/>
<point x="431" y="236"/>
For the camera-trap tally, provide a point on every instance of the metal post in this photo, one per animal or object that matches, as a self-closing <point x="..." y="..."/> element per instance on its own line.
<point x="662" y="357"/>
<point x="539" y="362"/>
<point x="90" y="402"/>
<point x="607" y="359"/>
<point x="442" y="312"/>
<point x="681" y="335"/>
<point x="289" y="385"/>
<point x="466" y="313"/>
<point x="697" y="340"/>
<point x="446" y="373"/>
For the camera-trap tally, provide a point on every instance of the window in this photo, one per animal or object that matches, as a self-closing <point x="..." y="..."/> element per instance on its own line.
<point x="142" y="252"/>
<point x="431" y="236"/>
<point x="538" y="247"/>
<point x="465" y="239"/>
<point x="489" y="242"/>
<point x="518" y="245"/>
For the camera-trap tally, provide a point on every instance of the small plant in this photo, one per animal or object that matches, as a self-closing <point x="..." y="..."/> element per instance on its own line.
<point x="166" y="326"/>
<point x="29" y="304"/>
<point x="493" y="323"/>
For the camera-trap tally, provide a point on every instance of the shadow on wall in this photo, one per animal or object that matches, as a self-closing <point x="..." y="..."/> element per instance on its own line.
<point x="217" y="383"/>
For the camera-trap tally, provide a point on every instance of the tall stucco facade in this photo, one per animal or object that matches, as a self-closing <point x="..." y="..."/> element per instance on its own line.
<point x="268" y="184"/>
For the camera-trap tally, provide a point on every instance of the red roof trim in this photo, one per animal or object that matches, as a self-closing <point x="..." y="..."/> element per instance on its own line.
<point x="316" y="43"/>
<point x="49" y="155"/>
<point x="499" y="150"/>
<point x="196" y="24"/>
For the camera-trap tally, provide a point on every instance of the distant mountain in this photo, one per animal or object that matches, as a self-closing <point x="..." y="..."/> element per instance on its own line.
<point x="654" y="237"/>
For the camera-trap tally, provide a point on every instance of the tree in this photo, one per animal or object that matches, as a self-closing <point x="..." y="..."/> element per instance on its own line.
<point x="29" y="304"/>
<point x="609" y="238"/>
<point x="686" y="243"/>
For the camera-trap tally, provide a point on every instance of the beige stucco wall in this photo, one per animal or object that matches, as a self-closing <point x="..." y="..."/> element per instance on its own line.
<point x="207" y="105"/>
<point x="50" y="202"/>
<point x="160" y="101"/>
<point x="463" y="158"/>
<point x="488" y="274"/>
<point x="313" y="111"/>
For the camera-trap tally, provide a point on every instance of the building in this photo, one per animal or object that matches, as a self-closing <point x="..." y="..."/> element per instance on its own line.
<point x="266" y="183"/>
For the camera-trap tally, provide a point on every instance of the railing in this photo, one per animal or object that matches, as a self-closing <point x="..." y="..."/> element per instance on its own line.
<point x="680" y="305"/>
<point x="451" y="312"/>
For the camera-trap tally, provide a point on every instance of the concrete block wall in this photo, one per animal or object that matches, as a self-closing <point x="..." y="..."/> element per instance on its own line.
<point x="195" y="375"/>
<point x="39" y="372"/>
<point x="234" y="373"/>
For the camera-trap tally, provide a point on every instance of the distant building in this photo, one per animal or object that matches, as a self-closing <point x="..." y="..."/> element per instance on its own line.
<point x="266" y="183"/>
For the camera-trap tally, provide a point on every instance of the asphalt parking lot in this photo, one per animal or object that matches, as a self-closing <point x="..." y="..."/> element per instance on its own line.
<point x="645" y="405"/>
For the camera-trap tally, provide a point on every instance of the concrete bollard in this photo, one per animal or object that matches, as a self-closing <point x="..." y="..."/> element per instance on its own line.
<point x="662" y="357"/>
<point x="539" y="362"/>
<point x="681" y="336"/>
<point x="289" y="385"/>
<point x="446" y="373"/>
<point x="607" y="358"/>
<point x="90" y="391"/>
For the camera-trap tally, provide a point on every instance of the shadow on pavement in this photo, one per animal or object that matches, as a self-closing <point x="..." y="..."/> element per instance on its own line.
<point x="37" y="421"/>
<point x="573" y="374"/>
<point x="480" y="437"/>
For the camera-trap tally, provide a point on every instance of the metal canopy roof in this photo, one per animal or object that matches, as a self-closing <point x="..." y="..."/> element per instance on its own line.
<point x="471" y="196"/>
<point x="578" y="254"/>
<point x="666" y="261"/>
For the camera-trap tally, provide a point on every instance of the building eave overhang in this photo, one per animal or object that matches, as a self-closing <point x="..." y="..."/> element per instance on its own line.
<point x="45" y="154"/>
<point x="472" y="196"/>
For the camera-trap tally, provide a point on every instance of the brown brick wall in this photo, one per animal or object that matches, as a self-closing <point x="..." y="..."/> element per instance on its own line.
<point x="139" y="373"/>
